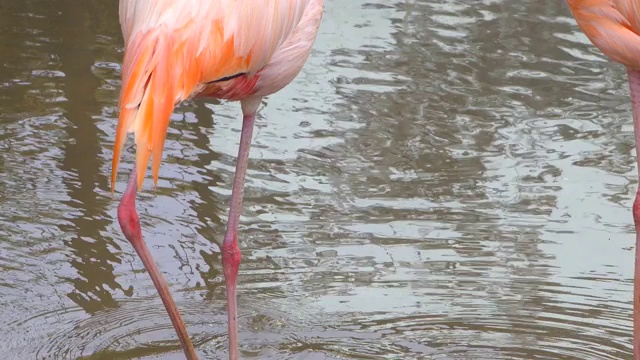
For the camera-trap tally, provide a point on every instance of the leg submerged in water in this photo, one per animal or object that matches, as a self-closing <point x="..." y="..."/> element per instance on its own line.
<point x="130" y="225"/>
<point x="230" y="249"/>
<point x="634" y="88"/>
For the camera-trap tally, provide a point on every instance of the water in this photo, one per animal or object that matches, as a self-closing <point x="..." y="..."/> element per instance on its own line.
<point x="445" y="180"/>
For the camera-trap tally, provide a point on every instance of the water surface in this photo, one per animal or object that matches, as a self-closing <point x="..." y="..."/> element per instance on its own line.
<point x="445" y="180"/>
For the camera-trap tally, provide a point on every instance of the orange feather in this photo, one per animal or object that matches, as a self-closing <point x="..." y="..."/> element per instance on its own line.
<point x="172" y="58"/>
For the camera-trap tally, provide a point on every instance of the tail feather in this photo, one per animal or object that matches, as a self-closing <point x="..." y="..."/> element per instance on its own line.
<point x="164" y="98"/>
<point x="161" y="67"/>
<point x="146" y="102"/>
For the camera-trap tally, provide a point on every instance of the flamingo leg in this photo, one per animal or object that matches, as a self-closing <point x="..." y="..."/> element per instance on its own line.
<point x="634" y="88"/>
<point x="130" y="225"/>
<point x="230" y="249"/>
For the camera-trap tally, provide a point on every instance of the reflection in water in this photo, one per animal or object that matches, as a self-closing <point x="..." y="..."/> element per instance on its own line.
<point x="447" y="180"/>
<point x="91" y="253"/>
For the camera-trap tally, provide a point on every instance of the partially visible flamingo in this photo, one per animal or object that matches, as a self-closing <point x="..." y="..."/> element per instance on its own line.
<point x="614" y="27"/>
<point x="179" y="49"/>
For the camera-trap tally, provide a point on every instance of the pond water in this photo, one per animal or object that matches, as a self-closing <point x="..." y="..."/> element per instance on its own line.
<point x="446" y="179"/>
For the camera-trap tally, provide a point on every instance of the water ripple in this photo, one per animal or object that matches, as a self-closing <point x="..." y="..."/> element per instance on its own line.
<point x="444" y="180"/>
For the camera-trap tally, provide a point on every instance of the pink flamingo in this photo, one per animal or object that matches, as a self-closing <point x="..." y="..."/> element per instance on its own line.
<point x="614" y="27"/>
<point x="179" y="49"/>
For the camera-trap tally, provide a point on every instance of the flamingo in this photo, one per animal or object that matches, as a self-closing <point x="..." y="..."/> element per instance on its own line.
<point x="237" y="50"/>
<point x="614" y="27"/>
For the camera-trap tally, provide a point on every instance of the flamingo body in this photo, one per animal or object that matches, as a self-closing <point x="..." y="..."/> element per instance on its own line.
<point x="614" y="27"/>
<point x="179" y="49"/>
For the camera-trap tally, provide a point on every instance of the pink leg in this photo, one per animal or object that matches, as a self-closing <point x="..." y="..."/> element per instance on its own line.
<point x="230" y="248"/>
<point x="634" y="87"/>
<point x="130" y="224"/>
